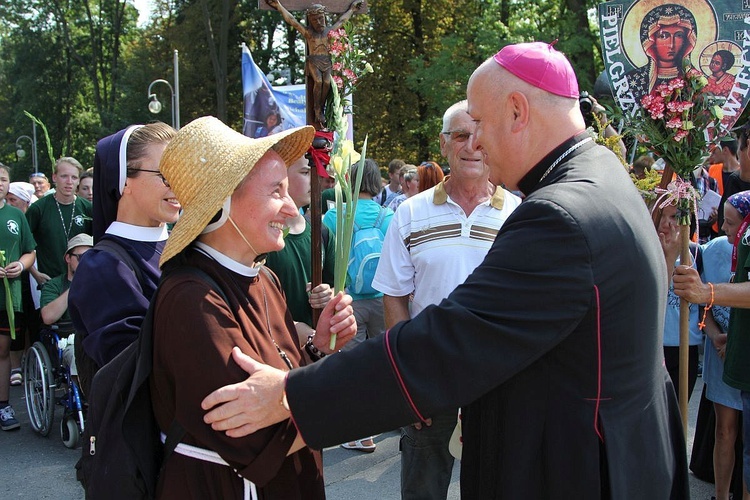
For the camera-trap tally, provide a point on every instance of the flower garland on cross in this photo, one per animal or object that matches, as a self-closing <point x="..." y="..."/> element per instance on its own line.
<point x="348" y="66"/>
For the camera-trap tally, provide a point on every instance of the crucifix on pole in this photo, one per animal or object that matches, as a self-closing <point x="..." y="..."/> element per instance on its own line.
<point x="318" y="77"/>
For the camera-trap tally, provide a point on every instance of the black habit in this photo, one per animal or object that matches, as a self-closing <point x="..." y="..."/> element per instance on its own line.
<point x="553" y="346"/>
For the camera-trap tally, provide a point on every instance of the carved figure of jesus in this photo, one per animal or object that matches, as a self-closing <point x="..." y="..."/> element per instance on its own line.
<point x="318" y="64"/>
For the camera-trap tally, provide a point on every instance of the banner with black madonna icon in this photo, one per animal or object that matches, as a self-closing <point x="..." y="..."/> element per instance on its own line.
<point x="649" y="42"/>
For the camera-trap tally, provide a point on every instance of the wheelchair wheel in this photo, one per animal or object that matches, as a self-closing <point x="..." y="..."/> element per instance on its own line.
<point x="39" y="388"/>
<point x="70" y="432"/>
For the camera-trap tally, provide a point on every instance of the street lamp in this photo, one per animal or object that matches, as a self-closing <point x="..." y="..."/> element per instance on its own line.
<point x="20" y="152"/>
<point x="155" y="105"/>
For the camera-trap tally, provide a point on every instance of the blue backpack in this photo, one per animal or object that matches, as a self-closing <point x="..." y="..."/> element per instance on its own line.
<point x="367" y="244"/>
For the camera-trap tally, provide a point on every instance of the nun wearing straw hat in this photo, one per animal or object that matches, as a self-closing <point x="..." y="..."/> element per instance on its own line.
<point x="235" y="201"/>
<point x="132" y="206"/>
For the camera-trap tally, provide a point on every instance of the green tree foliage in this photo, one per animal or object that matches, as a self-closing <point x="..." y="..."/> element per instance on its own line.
<point x="423" y="58"/>
<point x="83" y="66"/>
<point x="61" y="62"/>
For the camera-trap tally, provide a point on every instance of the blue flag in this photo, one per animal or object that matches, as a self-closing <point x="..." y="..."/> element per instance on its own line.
<point x="268" y="110"/>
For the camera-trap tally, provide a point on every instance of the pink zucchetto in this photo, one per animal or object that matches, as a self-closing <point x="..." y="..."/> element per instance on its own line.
<point x="540" y="65"/>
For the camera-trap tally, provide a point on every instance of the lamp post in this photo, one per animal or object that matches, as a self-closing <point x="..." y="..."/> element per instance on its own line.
<point x="155" y="106"/>
<point x="20" y="152"/>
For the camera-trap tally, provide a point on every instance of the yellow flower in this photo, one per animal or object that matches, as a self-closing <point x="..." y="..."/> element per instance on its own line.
<point x="368" y="68"/>
<point x="347" y="147"/>
<point x="338" y="165"/>
<point x="717" y="112"/>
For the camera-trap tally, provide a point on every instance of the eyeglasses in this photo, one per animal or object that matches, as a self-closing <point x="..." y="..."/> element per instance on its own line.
<point x="458" y="135"/>
<point x="166" y="183"/>
<point x="77" y="255"/>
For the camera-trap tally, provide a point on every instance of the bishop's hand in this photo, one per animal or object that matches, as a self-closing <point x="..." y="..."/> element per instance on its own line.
<point x="243" y="408"/>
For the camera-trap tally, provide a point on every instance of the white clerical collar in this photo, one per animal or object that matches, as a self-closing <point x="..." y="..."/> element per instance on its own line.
<point x="138" y="233"/>
<point x="227" y="262"/>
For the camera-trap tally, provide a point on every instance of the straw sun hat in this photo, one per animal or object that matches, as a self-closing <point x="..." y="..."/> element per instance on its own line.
<point x="204" y="164"/>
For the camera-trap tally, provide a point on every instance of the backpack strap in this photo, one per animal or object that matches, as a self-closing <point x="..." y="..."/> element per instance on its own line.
<point x="381" y="218"/>
<point x="378" y="221"/>
<point x="113" y="248"/>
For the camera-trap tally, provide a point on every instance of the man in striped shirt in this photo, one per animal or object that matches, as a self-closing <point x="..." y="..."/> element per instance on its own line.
<point x="435" y="240"/>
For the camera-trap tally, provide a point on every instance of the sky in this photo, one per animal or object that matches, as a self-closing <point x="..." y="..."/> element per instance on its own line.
<point x="144" y="9"/>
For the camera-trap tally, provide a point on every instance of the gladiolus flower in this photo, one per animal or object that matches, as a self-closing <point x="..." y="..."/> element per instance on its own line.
<point x="347" y="147"/>
<point x="338" y="164"/>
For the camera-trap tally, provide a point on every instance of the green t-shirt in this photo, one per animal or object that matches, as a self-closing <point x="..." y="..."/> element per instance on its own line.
<point x="52" y="290"/>
<point x="52" y="228"/>
<point x="736" y="365"/>
<point x="15" y="240"/>
<point x="293" y="266"/>
<point x="326" y="196"/>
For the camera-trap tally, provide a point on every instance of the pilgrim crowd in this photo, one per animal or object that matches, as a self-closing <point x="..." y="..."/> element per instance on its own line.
<point x="523" y="316"/>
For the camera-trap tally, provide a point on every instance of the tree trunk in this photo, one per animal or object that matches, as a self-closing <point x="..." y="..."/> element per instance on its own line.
<point x="217" y="45"/>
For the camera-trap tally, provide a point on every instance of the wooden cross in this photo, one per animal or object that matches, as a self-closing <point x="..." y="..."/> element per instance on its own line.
<point x="318" y="68"/>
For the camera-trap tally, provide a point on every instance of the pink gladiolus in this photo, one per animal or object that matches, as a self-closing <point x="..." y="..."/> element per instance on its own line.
<point x="337" y="66"/>
<point x="339" y="81"/>
<point x="336" y="48"/>
<point x="336" y="34"/>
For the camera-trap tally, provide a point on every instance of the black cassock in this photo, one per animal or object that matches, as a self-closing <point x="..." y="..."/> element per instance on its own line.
<point x="553" y="347"/>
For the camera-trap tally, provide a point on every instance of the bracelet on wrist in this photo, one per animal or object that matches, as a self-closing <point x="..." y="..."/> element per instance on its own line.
<point x="314" y="353"/>
<point x="23" y="268"/>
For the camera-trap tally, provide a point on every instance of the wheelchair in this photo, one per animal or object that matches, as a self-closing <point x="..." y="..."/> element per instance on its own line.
<point x="48" y="383"/>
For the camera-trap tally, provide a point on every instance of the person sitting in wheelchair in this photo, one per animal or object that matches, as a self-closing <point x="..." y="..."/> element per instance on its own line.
<point x="54" y="299"/>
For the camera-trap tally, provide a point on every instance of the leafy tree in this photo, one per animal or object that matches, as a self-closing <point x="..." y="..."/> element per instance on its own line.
<point x="83" y="66"/>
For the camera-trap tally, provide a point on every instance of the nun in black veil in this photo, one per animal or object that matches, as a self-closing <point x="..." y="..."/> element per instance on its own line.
<point x="117" y="278"/>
